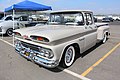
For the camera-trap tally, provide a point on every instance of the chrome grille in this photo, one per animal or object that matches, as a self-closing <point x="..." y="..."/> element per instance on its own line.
<point x="31" y="46"/>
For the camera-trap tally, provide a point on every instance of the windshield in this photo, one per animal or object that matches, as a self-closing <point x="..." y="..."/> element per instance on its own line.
<point x="67" y="19"/>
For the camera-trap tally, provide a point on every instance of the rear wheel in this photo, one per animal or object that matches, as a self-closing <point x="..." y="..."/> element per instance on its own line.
<point x="9" y="32"/>
<point x="68" y="57"/>
<point x="104" y="39"/>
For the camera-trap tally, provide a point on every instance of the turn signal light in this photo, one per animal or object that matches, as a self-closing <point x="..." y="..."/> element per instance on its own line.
<point x="40" y="38"/>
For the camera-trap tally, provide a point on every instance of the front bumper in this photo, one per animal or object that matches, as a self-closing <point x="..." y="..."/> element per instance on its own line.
<point x="32" y="54"/>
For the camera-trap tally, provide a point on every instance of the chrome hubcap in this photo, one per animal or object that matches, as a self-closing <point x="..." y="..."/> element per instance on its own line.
<point x="69" y="55"/>
<point x="10" y="32"/>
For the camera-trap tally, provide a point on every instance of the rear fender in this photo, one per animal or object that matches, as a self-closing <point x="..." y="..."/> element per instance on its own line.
<point x="102" y="31"/>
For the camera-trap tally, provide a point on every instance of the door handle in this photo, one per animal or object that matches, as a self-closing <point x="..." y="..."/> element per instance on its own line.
<point x="81" y="39"/>
<point x="90" y="27"/>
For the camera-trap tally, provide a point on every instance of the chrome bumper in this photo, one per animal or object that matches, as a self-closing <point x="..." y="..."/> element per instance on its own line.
<point x="33" y="57"/>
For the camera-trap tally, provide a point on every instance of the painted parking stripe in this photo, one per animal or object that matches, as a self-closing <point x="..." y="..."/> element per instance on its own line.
<point x="114" y="37"/>
<point x="7" y="42"/>
<point x="99" y="61"/>
<point x="73" y="73"/>
<point x="65" y="70"/>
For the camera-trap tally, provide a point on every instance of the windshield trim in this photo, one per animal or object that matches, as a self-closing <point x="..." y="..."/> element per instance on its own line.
<point x="66" y="23"/>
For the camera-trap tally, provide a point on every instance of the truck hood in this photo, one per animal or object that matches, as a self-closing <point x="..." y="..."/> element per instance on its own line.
<point x="101" y="24"/>
<point x="51" y="32"/>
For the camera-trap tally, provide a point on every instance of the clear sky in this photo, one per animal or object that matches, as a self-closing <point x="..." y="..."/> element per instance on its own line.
<point x="97" y="6"/>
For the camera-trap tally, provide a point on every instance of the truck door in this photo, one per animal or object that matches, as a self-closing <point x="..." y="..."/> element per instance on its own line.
<point x="91" y="31"/>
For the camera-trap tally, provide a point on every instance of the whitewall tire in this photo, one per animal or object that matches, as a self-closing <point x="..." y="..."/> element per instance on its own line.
<point x="69" y="57"/>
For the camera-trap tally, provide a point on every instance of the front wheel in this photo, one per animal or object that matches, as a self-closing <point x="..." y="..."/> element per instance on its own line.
<point x="9" y="32"/>
<point x="69" y="56"/>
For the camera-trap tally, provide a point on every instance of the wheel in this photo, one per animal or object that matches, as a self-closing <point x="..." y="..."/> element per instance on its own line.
<point x="104" y="39"/>
<point x="68" y="57"/>
<point x="9" y="32"/>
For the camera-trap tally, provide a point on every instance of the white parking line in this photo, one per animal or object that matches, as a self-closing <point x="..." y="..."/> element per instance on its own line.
<point x="65" y="70"/>
<point x="114" y="37"/>
<point x="74" y="74"/>
<point x="7" y="42"/>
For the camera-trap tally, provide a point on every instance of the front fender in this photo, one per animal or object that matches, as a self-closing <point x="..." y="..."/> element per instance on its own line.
<point x="59" y="49"/>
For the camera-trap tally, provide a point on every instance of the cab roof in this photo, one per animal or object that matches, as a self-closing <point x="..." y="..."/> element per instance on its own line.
<point x="70" y="11"/>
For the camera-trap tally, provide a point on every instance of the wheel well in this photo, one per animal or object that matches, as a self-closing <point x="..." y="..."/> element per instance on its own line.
<point x="77" y="48"/>
<point x="9" y="28"/>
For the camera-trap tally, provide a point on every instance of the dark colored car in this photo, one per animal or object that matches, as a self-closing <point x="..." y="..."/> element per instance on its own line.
<point x="118" y="19"/>
<point x="95" y="19"/>
<point x="107" y="19"/>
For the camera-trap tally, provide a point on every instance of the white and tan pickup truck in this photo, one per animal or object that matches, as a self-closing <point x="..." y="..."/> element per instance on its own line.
<point x="67" y="33"/>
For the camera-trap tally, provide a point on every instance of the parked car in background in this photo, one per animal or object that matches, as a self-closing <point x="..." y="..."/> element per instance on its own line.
<point x="107" y="19"/>
<point x="118" y="19"/>
<point x="95" y="19"/>
<point x="6" y="24"/>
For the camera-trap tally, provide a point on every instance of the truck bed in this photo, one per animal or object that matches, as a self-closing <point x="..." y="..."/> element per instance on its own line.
<point x="101" y="24"/>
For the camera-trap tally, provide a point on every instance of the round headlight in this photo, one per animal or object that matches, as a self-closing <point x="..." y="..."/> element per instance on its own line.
<point x="49" y="54"/>
<point x="18" y="44"/>
<point x="45" y="52"/>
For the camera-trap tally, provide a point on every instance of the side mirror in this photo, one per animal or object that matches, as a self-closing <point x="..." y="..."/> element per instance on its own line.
<point x="95" y="19"/>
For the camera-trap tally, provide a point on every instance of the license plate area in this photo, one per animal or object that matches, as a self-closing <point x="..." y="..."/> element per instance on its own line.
<point x="27" y="52"/>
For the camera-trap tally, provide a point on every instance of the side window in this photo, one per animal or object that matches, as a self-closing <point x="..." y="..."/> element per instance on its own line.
<point x="79" y="19"/>
<point x="24" y="18"/>
<point x="55" y="18"/>
<point x="89" y="20"/>
<point x="8" y="18"/>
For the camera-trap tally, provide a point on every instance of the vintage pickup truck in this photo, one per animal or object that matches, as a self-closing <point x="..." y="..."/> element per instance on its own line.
<point x="66" y="34"/>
